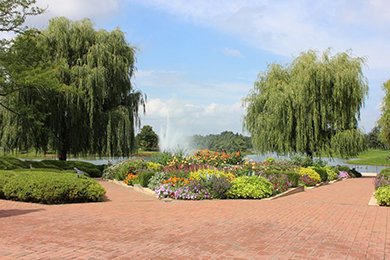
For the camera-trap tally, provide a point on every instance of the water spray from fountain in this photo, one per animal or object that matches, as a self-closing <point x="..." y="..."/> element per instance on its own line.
<point x="171" y="137"/>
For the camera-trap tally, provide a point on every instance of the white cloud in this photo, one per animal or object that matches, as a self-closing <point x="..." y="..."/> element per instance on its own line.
<point x="232" y="52"/>
<point x="158" y="78"/>
<point x="75" y="10"/>
<point x="175" y="82"/>
<point x="288" y="27"/>
<point x="192" y="118"/>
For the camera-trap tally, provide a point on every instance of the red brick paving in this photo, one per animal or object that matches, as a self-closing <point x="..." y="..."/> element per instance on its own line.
<point x="330" y="222"/>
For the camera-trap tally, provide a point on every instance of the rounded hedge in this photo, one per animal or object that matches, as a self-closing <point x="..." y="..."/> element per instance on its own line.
<point x="253" y="187"/>
<point x="382" y="194"/>
<point x="49" y="187"/>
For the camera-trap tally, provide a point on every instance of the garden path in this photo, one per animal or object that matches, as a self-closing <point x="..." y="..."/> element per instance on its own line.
<point x="329" y="222"/>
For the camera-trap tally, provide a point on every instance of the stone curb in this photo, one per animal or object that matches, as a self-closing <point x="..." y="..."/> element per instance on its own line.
<point x="287" y="193"/>
<point x="136" y="187"/>
<point x="143" y="190"/>
<point x="373" y="201"/>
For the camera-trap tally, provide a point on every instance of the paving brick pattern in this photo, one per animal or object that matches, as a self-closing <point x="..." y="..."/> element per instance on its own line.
<point x="329" y="222"/>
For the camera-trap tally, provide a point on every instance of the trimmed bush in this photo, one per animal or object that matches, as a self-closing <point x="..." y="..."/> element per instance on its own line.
<point x="312" y="174"/>
<point x="51" y="187"/>
<point x="10" y="163"/>
<point x="382" y="194"/>
<point x="5" y="176"/>
<point x="253" y="187"/>
<point x="322" y="172"/>
<point x="89" y="168"/>
<point x="144" y="177"/>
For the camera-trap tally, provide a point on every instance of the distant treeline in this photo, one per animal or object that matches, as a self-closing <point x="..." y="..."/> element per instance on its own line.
<point x="227" y="140"/>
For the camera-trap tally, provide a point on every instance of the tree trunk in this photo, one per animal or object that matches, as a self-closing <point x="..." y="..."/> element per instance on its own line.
<point x="63" y="140"/>
<point x="62" y="154"/>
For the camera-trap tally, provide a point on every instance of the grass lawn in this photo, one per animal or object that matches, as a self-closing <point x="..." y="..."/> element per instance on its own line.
<point x="372" y="157"/>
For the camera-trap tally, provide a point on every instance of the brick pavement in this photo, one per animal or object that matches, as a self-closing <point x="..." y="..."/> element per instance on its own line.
<point x="330" y="222"/>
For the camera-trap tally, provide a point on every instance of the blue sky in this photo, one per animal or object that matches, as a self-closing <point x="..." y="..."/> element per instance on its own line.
<point x="199" y="58"/>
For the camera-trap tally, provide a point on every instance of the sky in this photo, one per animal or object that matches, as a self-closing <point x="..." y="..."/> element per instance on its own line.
<point x="198" y="59"/>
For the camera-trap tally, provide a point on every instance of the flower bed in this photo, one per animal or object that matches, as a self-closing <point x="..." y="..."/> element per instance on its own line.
<point x="208" y="175"/>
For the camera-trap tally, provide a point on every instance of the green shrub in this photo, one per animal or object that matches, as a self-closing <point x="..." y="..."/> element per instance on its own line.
<point x="382" y="194"/>
<point x="52" y="187"/>
<point x="312" y="174"/>
<point x="10" y="163"/>
<point x="89" y="168"/>
<point x="5" y="176"/>
<point x="293" y="177"/>
<point x="269" y="160"/>
<point x="250" y="188"/>
<point x="144" y="177"/>
<point x="322" y="172"/>
<point x="342" y="169"/>
<point x="206" y="173"/>
<point x="332" y="174"/>
<point x="385" y="172"/>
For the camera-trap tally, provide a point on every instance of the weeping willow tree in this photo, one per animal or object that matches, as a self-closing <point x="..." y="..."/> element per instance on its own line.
<point x="384" y="121"/>
<point x="85" y="103"/>
<point x="309" y="106"/>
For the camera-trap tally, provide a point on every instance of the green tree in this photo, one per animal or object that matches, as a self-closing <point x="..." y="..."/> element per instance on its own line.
<point x="226" y="140"/>
<point x="82" y="99"/>
<point x="373" y="139"/>
<point x="13" y="14"/>
<point x="309" y="106"/>
<point x="147" y="139"/>
<point x="384" y="120"/>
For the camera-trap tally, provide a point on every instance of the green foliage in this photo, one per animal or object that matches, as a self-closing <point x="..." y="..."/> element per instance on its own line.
<point x="225" y="141"/>
<point x="51" y="187"/>
<point x="312" y="174"/>
<point x="70" y="69"/>
<point x="144" y="177"/>
<point x="311" y="105"/>
<point x="384" y="121"/>
<point x="147" y="139"/>
<point x="86" y="167"/>
<point x="9" y="163"/>
<point x="385" y="172"/>
<point x="250" y="188"/>
<point x="269" y="160"/>
<point x="303" y="161"/>
<point x="156" y="180"/>
<point x="331" y="172"/>
<point x="207" y="173"/>
<point x="322" y="172"/>
<point x="121" y="169"/>
<point x="343" y="169"/>
<point x="293" y="177"/>
<point x="373" y="140"/>
<point x="382" y="194"/>
<point x="14" y="14"/>
<point x="165" y="157"/>
<point x="5" y="176"/>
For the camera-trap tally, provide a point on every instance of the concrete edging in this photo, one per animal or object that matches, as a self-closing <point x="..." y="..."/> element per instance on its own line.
<point x="373" y="201"/>
<point x="287" y="193"/>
